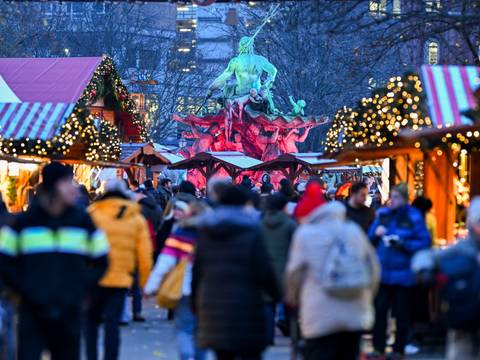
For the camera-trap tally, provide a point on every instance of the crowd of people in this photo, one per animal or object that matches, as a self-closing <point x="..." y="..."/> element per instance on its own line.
<point x="232" y="266"/>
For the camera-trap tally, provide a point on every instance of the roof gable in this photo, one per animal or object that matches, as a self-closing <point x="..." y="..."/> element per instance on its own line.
<point x="56" y="80"/>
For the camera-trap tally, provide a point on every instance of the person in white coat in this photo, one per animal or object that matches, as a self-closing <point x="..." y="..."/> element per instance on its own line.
<point x="332" y="324"/>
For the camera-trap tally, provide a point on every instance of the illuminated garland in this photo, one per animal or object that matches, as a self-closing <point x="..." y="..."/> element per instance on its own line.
<point x="109" y="141"/>
<point x="378" y="119"/>
<point x="100" y="144"/>
<point x="105" y="75"/>
<point x="56" y="147"/>
<point x="340" y="130"/>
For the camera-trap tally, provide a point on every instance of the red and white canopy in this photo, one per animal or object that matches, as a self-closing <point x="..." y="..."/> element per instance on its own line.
<point x="449" y="90"/>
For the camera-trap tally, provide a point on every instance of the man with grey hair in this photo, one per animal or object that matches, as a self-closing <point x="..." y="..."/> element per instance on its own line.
<point x="458" y="269"/>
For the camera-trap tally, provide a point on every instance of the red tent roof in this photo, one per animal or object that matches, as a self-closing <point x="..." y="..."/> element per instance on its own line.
<point x="56" y="80"/>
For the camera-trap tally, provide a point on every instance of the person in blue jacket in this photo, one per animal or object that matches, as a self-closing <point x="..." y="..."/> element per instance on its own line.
<point x="398" y="232"/>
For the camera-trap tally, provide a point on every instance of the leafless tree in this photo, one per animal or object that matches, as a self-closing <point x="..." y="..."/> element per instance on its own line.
<point x="140" y="38"/>
<point x="408" y="24"/>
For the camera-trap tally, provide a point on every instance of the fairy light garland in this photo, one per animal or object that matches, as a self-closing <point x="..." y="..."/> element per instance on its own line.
<point x="101" y="142"/>
<point x="378" y="119"/>
<point x="105" y="75"/>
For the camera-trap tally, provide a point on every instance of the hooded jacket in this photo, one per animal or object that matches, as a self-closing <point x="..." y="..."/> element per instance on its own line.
<point x="320" y="313"/>
<point x="409" y="225"/>
<point x="130" y="244"/>
<point x="278" y="229"/>
<point x="178" y="246"/>
<point x="52" y="261"/>
<point x="231" y="271"/>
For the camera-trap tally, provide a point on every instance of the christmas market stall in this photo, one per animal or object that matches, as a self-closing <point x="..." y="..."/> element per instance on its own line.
<point x="212" y="162"/>
<point x="400" y="125"/>
<point x="293" y="165"/>
<point x="155" y="158"/>
<point x="74" y="110"/>
<point x="452" y="145"/>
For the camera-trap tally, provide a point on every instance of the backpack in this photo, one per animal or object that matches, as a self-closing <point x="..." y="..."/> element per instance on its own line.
<point x="346" y="274"/>
<point x="460" y="293"/>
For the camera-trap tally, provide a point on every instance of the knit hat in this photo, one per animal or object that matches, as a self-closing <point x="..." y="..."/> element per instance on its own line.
<point x="276" y="202"/>
<point x="54" y="172"/>
<point x="312" y="199"/>
<point x="118" y="186"/>
<point x="402" y="189"/>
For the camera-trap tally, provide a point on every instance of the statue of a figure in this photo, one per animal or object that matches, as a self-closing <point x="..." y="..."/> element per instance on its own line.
<point x="289" y="140"/>
<point x="204" y="140"/>
<point x="297" y="106"/>
<point x="248" y="68"/>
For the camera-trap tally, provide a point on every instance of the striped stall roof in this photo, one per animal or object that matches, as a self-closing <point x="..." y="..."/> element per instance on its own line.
<point x="34" y="120"/>
<point x="449" y="91"/>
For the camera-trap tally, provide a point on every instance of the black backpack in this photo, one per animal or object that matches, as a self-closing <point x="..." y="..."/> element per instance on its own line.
<point x="461" y="292"/>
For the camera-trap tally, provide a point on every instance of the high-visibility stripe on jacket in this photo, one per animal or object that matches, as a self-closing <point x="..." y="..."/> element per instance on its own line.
<point x="52" y="261"/>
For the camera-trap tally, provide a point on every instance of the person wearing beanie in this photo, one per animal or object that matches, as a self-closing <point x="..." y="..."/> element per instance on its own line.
<point x="131" y="249"/>
<point x="456" y="271"/>
<point x="51" y="256"/>
<point x="187" y="187"/>
<point x="277" y="228"/>
<point x="313" y="198"/>
<point x="398" y="232"/>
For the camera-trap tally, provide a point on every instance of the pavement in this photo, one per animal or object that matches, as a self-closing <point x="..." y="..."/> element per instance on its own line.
<point x="155" y="339"/>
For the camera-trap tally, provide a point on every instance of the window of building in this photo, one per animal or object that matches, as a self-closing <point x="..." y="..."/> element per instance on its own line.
<point x="378" y="7"/>
<point x="432" y="52"/>
<point x="397" y="7"/>
<point x="432" y="5"/>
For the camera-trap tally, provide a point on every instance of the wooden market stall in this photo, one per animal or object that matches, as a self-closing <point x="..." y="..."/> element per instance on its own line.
<point x="291" y="165"/>
<point x="422" y="126"/>
<point x="209" y="163"/>
<point x="153" y="156"/>
<point x="74" y="109"/>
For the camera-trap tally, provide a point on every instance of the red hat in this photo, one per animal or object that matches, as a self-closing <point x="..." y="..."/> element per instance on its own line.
<point x="313" y="198"/>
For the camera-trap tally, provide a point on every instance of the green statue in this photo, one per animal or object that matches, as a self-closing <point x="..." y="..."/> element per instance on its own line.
<point x="248" y="68"/>
<point x="297" y="106"/>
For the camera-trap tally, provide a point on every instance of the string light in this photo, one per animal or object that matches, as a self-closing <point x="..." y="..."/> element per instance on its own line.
<point x="378" y="119"/>
<point x="101" y="142"/>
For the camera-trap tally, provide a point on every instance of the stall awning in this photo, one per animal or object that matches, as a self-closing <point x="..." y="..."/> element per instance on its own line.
<point x="149" y="154"/>
<point x="232" y="158"/>
<point x="34" y="120"/>
<point x="449" y="91"/>
<point x="235" y="158"/>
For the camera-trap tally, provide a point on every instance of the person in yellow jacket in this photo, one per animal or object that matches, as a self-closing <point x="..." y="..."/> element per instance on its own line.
<point x="130" y="250"/>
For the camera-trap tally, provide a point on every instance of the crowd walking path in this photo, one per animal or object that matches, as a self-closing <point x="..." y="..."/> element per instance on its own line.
<point x="155" y="340"/>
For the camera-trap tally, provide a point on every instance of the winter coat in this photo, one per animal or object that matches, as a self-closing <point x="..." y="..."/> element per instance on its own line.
<point x="129" y="238"/>
<point x="363" y="216"/>
<point x="52" y="261"/>
<point x="165" y="196"/>
<point x="231" y="271"/>
<point x="320" y="313"/>
<point x="409" y="224"/>
<point x="179" y="245"/>
<point x="278" y="229"/>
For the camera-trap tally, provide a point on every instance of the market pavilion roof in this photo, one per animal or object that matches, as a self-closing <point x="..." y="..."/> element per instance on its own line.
<point x="44" y="107"/>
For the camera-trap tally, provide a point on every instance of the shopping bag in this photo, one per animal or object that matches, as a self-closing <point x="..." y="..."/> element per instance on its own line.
<point x="170" y="291"/>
